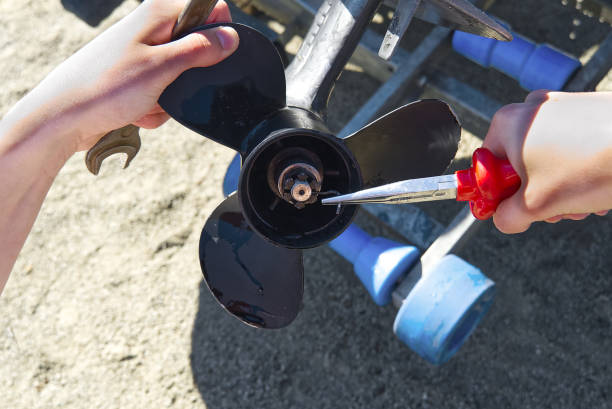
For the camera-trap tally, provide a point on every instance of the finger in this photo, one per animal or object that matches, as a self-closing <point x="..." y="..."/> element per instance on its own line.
<point x="537" y="97"/>
<point x="492" y="142"/>
<point x="152" y="121"/>
<point x="505" y="123"/>
<point x="554" y="219"/>
<point x="576" y="216"/>
<point x="164" y="17"/>
<point x="220" y="14"/>
<point x="200" y="49"/>
<point x="157" y="109"/>
<point x="511" y="216"/>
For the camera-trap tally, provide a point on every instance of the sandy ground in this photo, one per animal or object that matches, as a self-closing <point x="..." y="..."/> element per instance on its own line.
<point x="106" y="307"/>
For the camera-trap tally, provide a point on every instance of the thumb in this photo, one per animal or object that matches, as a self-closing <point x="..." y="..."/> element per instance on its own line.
<point x="202" y="48"/>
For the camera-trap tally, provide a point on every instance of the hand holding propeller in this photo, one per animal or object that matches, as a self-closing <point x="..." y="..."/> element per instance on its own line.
<point x="127" y="139"/>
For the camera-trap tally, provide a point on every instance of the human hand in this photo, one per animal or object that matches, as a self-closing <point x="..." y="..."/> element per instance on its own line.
<point x="561" y="146"/>
<point x="117" y="78"/>
<point x="113" y="81"/>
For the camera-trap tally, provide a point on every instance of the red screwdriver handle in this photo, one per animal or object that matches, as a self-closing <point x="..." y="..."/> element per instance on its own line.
<point x="487" y="183"/>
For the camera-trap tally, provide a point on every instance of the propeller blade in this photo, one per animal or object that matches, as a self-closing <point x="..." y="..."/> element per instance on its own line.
<point x="225" y="101"/>
<point x="417" y="140"/>
<point x="256" y="281"/>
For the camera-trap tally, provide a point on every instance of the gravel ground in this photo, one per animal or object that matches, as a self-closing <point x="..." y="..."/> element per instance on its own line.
<point x="106" y="307"/>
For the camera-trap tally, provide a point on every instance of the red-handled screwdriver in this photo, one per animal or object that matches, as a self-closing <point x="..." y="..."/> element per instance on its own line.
<point x="485" y="185"/>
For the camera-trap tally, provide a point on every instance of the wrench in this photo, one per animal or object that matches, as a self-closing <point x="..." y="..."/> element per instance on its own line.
<point x="127" y="139"/>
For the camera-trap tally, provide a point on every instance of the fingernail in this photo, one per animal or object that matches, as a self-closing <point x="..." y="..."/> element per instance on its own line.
<point x="228" y="37"/>
<point x="554" y="219"/>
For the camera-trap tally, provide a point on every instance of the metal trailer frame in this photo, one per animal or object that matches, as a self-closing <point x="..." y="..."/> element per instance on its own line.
<point x="404" y="72"/>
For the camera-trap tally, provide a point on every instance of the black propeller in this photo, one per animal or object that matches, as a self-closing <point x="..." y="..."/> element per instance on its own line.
<point x="255" y="280"/>
<point x="414" y="141"/>
<point x="226" y="101"/>
<point x="249" y="248"/>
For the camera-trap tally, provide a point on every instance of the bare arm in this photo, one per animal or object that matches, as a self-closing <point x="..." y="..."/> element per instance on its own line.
<point x="113" y="81"/>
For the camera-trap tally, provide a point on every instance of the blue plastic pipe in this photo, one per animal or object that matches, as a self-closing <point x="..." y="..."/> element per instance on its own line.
<point x="232" y="176"/>
<point x="534" y="66"/>
<point x="379" y="263"/>
<point x="443" y="309"/>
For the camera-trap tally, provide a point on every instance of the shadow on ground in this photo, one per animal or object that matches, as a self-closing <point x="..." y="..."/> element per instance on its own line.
<point x="91" y="11"/>
<point x="545" y="343"/>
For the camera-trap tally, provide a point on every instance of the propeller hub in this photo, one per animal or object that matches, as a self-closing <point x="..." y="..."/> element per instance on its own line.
<point x="301" y="191"/>
<point x="299" y="183"/>
<point x="282" y="179"/>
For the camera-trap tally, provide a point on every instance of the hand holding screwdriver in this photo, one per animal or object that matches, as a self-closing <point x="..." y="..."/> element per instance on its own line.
<point x="559" y="150"/>
<point x="489" y="181"/>
<point x="561" y="146"/>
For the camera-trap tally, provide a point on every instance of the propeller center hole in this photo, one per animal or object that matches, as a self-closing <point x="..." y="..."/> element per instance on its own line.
<point x="296" y="176"/>
<point x="301" y="191"/>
